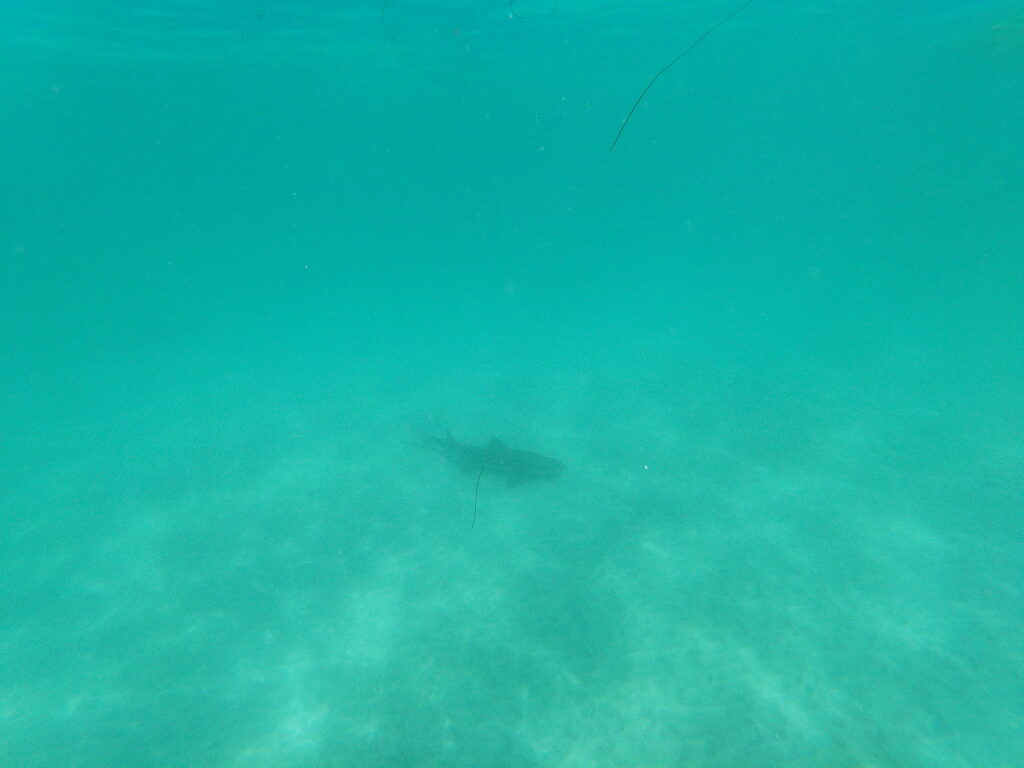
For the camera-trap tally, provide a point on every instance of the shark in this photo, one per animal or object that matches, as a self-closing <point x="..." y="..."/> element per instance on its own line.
<point x="516" y="466"/>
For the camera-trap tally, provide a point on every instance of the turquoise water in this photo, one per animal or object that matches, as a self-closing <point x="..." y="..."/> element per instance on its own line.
<point x="248" y="250"/>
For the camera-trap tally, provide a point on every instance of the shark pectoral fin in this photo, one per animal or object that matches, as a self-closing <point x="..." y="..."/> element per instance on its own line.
<point x="514" y="480"/>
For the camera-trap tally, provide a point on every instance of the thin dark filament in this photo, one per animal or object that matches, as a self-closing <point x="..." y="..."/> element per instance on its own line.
<point x="476" y="492"/>
<point x="669" y="66"/>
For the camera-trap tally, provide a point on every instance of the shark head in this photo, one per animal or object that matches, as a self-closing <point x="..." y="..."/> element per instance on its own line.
<point x="522" y="466"/>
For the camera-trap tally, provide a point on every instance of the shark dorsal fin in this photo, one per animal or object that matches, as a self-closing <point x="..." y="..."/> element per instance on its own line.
<point x="495" y="445"/>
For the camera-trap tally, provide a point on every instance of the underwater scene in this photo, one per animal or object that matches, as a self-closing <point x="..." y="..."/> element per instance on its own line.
<point x="511" y="383"/>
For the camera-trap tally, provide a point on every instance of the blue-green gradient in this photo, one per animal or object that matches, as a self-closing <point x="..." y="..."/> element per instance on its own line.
<point x="776" y="335"/>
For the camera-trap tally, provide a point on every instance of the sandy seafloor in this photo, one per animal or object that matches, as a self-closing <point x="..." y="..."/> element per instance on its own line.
<point x="777" y="341"/>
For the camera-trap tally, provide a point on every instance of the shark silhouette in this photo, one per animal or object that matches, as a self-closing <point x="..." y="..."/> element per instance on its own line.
<point x="496" y="458"/>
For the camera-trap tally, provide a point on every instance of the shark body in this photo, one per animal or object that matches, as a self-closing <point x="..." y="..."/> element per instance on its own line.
<point x="515" y="465"/>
